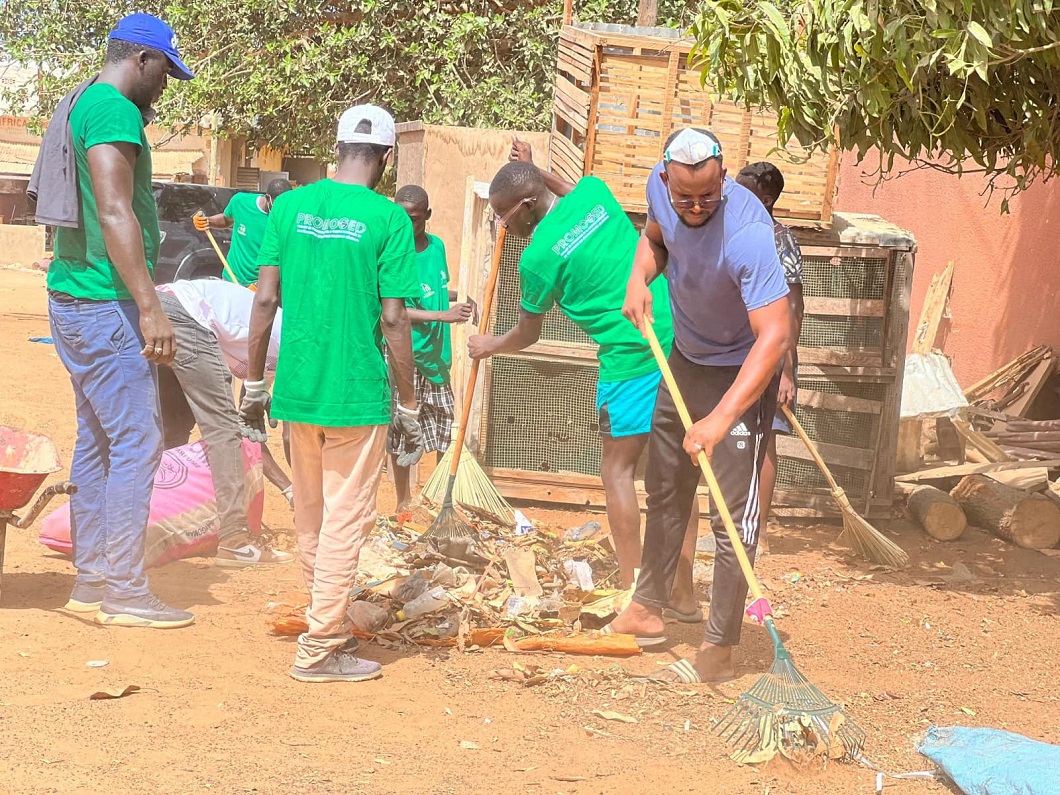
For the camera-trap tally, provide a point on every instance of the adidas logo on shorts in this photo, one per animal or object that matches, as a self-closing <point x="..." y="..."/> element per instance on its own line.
<point x="740" y="430"/>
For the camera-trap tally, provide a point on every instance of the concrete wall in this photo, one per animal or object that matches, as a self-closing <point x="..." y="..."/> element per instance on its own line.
<point x="21" y="245"/>
<point x="1006" y="281"/>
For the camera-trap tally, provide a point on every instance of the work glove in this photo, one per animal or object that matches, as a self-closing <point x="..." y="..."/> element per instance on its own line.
<point x="406" y="436"/>
<point x="254" y="411"/>
<point x="202" y="223"/>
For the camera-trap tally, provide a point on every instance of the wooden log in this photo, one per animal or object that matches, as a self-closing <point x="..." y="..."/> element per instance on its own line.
<point x="1027" y="520"/>
<point x="937" y="512"/>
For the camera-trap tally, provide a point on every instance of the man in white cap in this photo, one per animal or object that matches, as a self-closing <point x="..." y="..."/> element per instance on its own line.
<point x="732" y="327"/>
<point x="345" y="260"/>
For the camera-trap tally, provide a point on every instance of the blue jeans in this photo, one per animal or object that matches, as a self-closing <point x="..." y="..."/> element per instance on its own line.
<point x="119" y="438"/>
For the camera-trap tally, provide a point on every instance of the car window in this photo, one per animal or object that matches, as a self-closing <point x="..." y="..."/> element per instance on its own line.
<point x="181" y="202"/>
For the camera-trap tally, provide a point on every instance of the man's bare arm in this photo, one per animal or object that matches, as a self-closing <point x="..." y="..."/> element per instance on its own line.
<point x="397" y="329"/>
<point x="524" y="334"/>
<point x="111" y="167"/>
<point x="262" y="317"/>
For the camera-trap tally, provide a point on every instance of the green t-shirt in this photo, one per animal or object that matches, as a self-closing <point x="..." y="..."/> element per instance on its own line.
<point x="580" y="257"/>
<point x="248" y="230"/>
<point x="82" y="268"/>
<point x="341" y="249"/>
<point x="431" y="346"/>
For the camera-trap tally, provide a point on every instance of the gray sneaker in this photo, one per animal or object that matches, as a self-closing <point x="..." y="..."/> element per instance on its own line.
<point x="339" y="666"/>
<point x="87" y="597"/>
<point x="142" y="611"/>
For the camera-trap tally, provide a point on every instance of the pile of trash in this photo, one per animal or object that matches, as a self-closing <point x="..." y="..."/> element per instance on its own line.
<point x="527" y="588"/>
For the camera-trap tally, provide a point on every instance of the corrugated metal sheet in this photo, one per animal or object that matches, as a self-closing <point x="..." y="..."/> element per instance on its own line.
<point x="930" y="388"/>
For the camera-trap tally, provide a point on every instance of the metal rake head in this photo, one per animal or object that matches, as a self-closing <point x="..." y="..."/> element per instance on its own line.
<point x="784" y="713"/>
<point x="448" y="526"/>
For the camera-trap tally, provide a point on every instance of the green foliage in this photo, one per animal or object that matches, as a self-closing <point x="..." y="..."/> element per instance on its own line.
<point x="281" y="71"/>
<point x="961" y="84"/>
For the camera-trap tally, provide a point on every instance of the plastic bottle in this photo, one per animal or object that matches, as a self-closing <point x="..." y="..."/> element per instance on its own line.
<point x="429" y="602"/>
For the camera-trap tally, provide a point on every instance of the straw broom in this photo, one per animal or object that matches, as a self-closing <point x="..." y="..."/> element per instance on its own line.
<point x="476" y="491"/>
<point x="864" y="539"/>
<point x="783" y="712"/>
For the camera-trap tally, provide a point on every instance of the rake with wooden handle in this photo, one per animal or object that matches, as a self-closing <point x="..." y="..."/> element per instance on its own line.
<point x="448" y="524"/>
<point x="782" y="711"/>
<point x="864" y="539"/>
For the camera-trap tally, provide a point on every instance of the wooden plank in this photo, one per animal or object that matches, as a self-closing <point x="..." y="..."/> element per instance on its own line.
<point x="882" y="374"/>
<point x="960" y="470"/>
<point x="847" y="307"/>
<point x="559" y="352"/>
<point x="934" y="308"/>
<point x="826" y="400"/>
<point x="895" y="333"/>
<point x="834" y="454"/>
<point x="1009" y="373"/>
<point x="991" y="451"/>
<point x="847" y="357"/>
<point x="1035" y="381"/>
<point x="835" y="253"/>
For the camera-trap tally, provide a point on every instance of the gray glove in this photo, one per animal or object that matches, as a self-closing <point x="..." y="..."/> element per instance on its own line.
<point x="254" y="410"/>
<point x="405" y="425"/>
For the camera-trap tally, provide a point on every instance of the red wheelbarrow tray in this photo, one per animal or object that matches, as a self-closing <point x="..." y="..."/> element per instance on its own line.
<point x="26" y="459"/>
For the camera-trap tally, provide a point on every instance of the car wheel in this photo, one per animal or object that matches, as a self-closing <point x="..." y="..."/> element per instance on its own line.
<point x="198" y="265"/>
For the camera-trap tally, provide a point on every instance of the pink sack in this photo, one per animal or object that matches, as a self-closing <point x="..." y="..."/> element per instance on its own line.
<point x="183" y="522"/>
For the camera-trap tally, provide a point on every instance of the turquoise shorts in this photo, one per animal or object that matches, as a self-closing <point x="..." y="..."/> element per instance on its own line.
<point x="626" y="407"/>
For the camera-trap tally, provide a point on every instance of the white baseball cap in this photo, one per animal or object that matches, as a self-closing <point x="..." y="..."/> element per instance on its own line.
<point x="381" y="129"/>
<point x="691" y="147"/>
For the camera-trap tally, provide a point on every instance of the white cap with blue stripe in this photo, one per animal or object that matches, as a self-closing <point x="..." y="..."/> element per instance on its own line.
<point x="691" y="147"/>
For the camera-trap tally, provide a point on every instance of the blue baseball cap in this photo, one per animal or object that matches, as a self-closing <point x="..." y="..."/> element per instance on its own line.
<point x="150" y="31"/>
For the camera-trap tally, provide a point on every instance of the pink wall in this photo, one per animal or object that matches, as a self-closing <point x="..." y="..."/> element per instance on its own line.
<point x="1007" y="275"/>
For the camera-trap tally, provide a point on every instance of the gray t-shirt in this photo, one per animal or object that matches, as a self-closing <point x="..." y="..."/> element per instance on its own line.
<point x="718" y="273"/>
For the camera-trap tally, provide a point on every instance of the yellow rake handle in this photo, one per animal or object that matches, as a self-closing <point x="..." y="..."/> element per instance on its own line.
<point x="224" y="261"/>
<point x="483" y="327"/>
<point x="704" y="464"/>
<point x="810" y="446"/>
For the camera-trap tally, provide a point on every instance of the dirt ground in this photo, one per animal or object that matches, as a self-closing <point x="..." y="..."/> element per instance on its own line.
<point x="217" y="711"/>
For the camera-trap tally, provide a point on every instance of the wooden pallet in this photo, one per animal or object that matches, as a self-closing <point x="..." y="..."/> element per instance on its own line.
<point x="619" y="94"/>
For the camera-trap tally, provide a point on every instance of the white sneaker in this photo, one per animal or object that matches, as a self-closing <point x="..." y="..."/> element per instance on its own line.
<point x="249" y="555"/>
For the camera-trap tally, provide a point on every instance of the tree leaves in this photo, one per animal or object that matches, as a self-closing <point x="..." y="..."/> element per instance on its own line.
<point x="962" y="84"/>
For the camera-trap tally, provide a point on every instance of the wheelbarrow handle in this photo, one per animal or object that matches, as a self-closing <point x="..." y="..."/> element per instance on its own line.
<point x="63" y="487"/>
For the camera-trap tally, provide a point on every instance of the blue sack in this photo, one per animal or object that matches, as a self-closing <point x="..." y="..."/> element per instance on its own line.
<point x="993" y="762"/>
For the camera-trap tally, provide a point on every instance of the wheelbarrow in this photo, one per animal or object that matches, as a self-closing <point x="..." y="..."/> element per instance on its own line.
<point x="26" y="459"/>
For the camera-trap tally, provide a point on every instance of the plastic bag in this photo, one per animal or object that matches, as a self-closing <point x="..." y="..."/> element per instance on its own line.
<point x="183" y="522"/>
<point x="993" y="762"/>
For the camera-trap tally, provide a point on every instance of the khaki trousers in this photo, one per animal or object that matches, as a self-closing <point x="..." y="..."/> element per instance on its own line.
<point x="335" y="472"/>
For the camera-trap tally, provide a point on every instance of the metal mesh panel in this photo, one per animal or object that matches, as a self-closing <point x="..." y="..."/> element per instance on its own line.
<point x="557" y="326"/>
<point x="854" y="277"/>
<point x="794" y="473"/>
<point x="848" y="428"/>
<point x="542" y="416"/>
<point x="830" y="331"/>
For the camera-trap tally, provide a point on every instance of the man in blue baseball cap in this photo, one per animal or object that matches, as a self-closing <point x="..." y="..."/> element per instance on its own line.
<point x="109" y="328"/>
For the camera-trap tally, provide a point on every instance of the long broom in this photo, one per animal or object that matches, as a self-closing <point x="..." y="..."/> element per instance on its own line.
<point x="480" y="493"/>
<point x="864" y="539"/>
<point x="783" y="711"/>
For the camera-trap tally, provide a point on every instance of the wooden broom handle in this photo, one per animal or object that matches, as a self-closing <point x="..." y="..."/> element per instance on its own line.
<point x="483" y="327"/>
<point x="704" y="464"/>
<point x="224" y="261"/>
<point x="809" y="446"/>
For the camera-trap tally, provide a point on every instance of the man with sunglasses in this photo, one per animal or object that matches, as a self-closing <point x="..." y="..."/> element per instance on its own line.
<point x="579" y="258"/>
<point x="714" y="240"/>
<point x="248" y="215"/>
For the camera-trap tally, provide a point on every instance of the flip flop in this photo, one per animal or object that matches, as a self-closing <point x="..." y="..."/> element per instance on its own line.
<point x="686" y="674"/>
<point x="695" y="617"/>
<point x="644" y="641"/>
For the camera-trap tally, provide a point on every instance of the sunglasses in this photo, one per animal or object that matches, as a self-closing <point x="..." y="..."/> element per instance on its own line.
<point x="688" y="204"/>
<point x="504" y="219"/>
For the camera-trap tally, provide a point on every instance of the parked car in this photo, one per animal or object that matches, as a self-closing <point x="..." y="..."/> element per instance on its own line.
<point x="185" y="252"/>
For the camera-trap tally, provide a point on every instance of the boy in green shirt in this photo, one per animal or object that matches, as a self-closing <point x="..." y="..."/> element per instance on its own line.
<point x="430" y="314"/>
<point x="247" y="214"/>
<point x="579" y="258"/>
